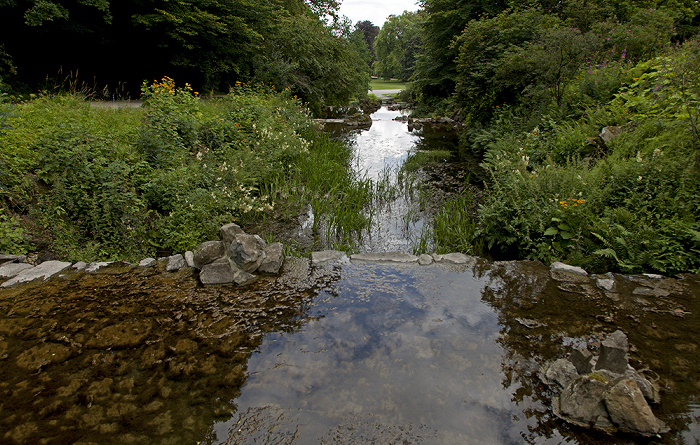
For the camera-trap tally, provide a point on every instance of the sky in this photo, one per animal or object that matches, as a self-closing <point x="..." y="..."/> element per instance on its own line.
<point x="376" y="11"/>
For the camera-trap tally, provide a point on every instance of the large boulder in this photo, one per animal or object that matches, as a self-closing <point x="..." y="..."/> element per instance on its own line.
<point x="218" y="272"/>
<point x="248" y="251"/>
<point x="274" y="257"/>
<point x="581" y="403"/>
<point x="229" y="232"/>
<point x="629" y="411"/>
<point x="208" y="252"/>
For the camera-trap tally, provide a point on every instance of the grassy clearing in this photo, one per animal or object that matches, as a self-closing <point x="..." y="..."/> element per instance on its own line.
<point x="86" y="183"/>
<point x="386" y="84"/>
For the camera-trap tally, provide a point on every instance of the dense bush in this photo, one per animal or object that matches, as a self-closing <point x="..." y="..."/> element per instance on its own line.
<point x="92" y="183"/>
<point x="559" y="192"/>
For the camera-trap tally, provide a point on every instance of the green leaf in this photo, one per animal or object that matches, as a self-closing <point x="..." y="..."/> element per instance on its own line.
<point x="551" y="231"/>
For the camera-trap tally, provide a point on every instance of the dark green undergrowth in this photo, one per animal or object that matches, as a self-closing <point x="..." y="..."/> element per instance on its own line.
<point x="557" y="191"/>
<point x="87" y="183"/>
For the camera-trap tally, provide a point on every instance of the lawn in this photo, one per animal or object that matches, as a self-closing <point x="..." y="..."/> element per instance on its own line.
<point x="383" y="84"/>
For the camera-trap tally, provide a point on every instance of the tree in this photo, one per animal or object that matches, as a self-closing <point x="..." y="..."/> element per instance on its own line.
<point x="436" y="67"/>
<point x="370" y="32"/>
<point x="208" y="43"/>
<point x="485" y="48"/>
<point x="318" y="65"/>
<point x="396" y="46"/>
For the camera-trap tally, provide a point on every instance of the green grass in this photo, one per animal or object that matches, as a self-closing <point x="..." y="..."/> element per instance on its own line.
<point x="383" y="84"/>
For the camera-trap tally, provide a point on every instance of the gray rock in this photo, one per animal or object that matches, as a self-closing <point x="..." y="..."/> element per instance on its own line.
<point x="9" y="270"/>
<point x="189" y="258"/>
<point x="606" y="284"/>
<point x="386" y="257"/>
<point x="629" y="411"/>
<point x="4" y="258"/>
<point x="219" y="272"/>
<point x="653" y="276"/>
<point x="80" y="265"/>
<point x="94" y="267"/>
<point x="248" y="251"/>
<point x="649" y="389"/>
<point x="425" y="259"/>
<point x="613" y="353"/>
<point x="560" y="372"/>
<point x="326" y="256"/>
<point x="581" y="402"/>
<point x="175" y="263"/>
<point x="565" y="272"/>
<point x="456" y="258"/>
<point x="581" y="359"/>
<point x="229" y="232"/>
<point x="208" y="252"/>
<point x="274" y="257"/>
<point x="609" y="133"/>
<point x="655" y="292"/>
<point x="147" y="262"/>
<point x="44" y="270"/>
<point x="241" y="277"/>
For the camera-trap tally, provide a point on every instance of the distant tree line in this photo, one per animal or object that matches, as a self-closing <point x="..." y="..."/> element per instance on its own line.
<point x="208" y="43"/>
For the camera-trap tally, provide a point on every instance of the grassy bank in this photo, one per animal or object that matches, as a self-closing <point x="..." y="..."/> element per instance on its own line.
<point x="558" y="191"/>
<point x="386" y="84"/>
<point x="87" y="183"/>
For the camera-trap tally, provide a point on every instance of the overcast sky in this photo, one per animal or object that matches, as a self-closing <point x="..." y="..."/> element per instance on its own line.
<point x="375" y="11"/>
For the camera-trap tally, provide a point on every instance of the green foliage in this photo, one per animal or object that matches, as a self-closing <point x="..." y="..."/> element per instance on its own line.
<point x="11" y="235"/>
<point x="116" y="184"/>
<point x="557" y="192"/>
<point x="317" y="65"/>
<point x="91" y="192"/>
<point x="493" y="68"/>
<point x="396" y="46"/>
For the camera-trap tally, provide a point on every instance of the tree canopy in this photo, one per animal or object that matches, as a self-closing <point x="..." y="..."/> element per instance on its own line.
<point x="209" y="43"/>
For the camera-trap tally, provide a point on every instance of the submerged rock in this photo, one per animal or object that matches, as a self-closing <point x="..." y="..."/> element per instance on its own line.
<point x="565" y="272"/>
<point x="614" y="396"/>
<point x="326" y="256"/>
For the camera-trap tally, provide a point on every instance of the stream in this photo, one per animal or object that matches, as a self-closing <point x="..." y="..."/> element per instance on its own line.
<point x="348" y="352"/>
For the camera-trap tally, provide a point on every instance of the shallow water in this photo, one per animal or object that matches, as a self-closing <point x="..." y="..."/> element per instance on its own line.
<point x="380" y="151"/>
<point x="351" y="353"/>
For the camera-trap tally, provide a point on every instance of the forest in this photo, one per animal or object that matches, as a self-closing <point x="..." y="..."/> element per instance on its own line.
<point x="534" y="84"/>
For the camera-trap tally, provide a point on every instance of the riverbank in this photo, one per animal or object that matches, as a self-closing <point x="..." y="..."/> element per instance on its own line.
<point x="90" y="183"/>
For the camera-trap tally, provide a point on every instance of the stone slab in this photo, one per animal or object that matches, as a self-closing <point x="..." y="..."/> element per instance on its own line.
<point x="4" y="258"/>
<point x="44" y="271"/>
<point x="387" y="257"/>
<point x="9" y="270"/>
<point x="326" y="256"/>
